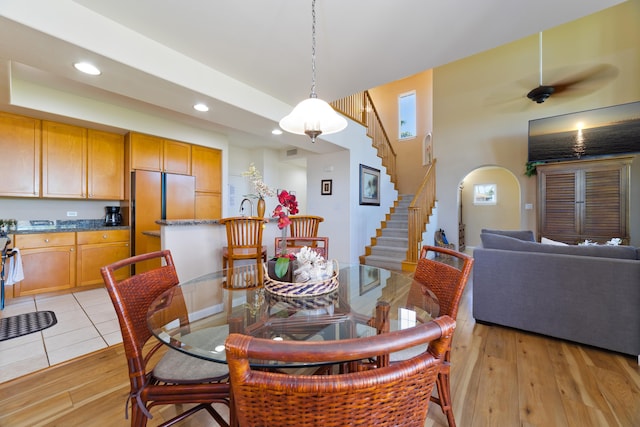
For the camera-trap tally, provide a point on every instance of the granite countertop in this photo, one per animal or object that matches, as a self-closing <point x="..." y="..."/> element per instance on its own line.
<point x="183" y="222"/>
<point x="60" y="226"/>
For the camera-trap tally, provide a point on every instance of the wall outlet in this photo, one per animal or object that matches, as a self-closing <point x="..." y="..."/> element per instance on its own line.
<point x="71" y="213"/>
<point x="528" y="206"/>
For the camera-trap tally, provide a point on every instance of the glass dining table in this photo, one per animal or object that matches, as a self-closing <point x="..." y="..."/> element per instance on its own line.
<point x="196" y="316"/>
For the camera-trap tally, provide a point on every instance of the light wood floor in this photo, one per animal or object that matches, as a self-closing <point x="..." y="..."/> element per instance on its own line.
<point x="500" y="377"/>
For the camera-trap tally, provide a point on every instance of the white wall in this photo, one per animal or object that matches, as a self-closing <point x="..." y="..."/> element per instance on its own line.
<point x="348" y="225"/>
<point x="481" y="113"/>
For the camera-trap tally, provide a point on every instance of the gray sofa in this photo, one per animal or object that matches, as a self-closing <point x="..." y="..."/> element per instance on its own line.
<point x="586" y="294"/>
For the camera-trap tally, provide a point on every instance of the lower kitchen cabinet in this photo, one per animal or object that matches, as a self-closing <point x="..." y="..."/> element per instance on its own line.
<point x="97" y="249"/>
<point x="48" y="260"/>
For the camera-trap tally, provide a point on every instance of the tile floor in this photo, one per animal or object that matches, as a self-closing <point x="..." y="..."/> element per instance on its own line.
<point x="86" y="322"/>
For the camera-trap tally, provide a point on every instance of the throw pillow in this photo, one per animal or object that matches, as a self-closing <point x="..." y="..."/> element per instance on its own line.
<point x="546" y="241"/>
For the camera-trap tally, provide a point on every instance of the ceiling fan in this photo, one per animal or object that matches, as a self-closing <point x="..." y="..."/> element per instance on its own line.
<point x="542" y="92"/>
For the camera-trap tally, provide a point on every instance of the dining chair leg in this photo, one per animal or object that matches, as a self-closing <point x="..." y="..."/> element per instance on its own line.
<point x="443" y="385"/>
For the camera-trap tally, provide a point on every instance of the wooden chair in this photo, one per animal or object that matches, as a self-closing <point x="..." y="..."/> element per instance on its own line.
<point x="304" y="225"/>
<point x="446" y="280"/>
<point x="244" y="240"/>
<point x="175" y="378"/>
<point x="318" y="244"/>
<point x="395" y="395"/>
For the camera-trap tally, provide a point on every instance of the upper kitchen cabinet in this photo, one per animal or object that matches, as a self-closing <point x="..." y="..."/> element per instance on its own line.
<point x="64" y="161"/>
<point x="105" y="176"/>
<point x="152" y="153"/>
<point x="20" y="160"/>
<point x="206" y="166"/>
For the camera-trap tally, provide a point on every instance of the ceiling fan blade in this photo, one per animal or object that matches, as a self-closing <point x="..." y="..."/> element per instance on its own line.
<point x="589" y="80"/>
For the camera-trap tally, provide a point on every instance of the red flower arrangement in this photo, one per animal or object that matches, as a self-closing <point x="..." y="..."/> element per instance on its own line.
<point x="288" y="206"/>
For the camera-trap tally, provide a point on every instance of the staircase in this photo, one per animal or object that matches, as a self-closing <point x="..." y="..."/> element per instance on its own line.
<point x="389" y="249"/>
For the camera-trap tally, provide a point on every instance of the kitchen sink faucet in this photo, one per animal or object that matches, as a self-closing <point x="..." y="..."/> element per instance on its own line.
<point x="242" y="207"/>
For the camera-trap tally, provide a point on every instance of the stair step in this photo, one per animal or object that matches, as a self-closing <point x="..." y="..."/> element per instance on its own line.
<point x="395" y="232"/>
<point x="396" y="242"/>
<point x="392" y="223"/>
<point x="389" y="251"/>
<point x="383" y="262"/>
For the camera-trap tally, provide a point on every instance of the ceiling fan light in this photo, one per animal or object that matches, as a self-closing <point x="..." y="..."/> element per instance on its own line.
<point x="313" y="117"/>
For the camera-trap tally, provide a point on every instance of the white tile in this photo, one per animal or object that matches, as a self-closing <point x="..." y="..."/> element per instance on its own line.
<point x="108" y="327"/>
<point x="75" y="350"/>
<point x="13" y="307"/>
<point x="23" y="366"/>
<point x="58" y="303"/>
<point x="70" y="338"/>
<point x="113" y="338"/>
<point x="28" y="350"/>
<point x="20" y="341"/>
<point x="101" y="313"/>
<point x="93" y="297"/>
<point x="68" y="321"/>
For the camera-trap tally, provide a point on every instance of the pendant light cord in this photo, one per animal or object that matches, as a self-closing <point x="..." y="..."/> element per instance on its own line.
<point x="313" y="49"/>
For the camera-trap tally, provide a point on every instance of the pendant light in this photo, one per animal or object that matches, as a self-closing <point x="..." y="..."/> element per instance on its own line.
<point x="313" y="116"/>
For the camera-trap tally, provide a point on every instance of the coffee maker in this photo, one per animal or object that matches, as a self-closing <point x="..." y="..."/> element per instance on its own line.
<point x="113" y="216"/>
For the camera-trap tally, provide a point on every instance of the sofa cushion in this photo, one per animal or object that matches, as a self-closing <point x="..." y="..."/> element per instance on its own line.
<point x="526" y="235"/>
<point x="496" y="241"/>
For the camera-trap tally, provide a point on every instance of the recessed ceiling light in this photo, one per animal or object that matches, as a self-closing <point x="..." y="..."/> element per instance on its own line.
<point x="87" y="68"/>
<point x="201" y="107"/>
<point x="276" y="132"/>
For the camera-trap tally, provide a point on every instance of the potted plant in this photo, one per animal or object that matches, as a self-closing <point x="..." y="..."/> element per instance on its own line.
<point x="288" y="206"/>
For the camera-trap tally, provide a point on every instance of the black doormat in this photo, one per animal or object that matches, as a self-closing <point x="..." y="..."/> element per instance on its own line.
<point x="27" y="323"/>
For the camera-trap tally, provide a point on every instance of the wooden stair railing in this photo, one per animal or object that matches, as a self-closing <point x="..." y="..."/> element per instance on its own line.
<point x="419" y="211"/>
<point x="359" y="107"/>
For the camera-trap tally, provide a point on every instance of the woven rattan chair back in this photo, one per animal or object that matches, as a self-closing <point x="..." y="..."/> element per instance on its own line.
<point x="244" y="239"/>
<point x="304" y="225"/>
<point x="131" y="298"/>
<point x="395" y="395"/>
<point x="447" y="280"/>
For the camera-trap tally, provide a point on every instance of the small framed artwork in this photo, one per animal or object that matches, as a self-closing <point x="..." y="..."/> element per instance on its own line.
<point x="369" y="279"/>
<point x="485" y="194"/>
<point x="369" y="186"/>
<point x="326" y="187"/>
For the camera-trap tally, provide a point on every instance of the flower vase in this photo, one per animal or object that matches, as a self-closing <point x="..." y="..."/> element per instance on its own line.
<point x="261" y="207"/>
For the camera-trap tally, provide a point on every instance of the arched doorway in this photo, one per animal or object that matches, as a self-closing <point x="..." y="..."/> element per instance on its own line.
<point x="489" y="197"/>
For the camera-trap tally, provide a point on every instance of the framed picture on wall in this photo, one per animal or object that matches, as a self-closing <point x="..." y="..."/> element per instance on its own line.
<point x="485" y="194"/>
<point x="326" y="187"/>
<point x="369" y="279"/>
<point x="369" y="186"/>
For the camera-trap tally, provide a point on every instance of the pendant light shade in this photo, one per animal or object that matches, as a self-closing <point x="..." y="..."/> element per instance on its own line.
<point x="313" y="116"/>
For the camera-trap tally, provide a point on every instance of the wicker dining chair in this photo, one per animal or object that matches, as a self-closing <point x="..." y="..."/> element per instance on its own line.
<point x="446" y="280"/>
<point x="394" y="395"/>
<point x="244" y="240"/>
<point x="175" y="378"/>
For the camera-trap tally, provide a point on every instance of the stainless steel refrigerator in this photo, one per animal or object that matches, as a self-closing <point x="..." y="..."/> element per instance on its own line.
<point x="155" y="196"/>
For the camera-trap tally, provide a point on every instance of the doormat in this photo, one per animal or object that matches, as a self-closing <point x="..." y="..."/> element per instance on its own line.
<point x="27" y="323"/>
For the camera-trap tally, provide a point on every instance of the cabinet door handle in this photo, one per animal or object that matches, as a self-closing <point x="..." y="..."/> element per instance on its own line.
<point x="72" y="249"/>
<point x="104" y="236"/>
<point x="46" y="240"/>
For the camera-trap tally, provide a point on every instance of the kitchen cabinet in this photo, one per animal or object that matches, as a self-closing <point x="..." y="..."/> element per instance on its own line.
<point x="105" y="167"/>
<point x="152" y="153"/>
<point x="20" y="145"/>
<point x="49" y="262"/>
<point x="586" y="199"/>
<point x="206" y="167"/>
<point x="64" y="161"/>
<point x="99" y="248"/>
